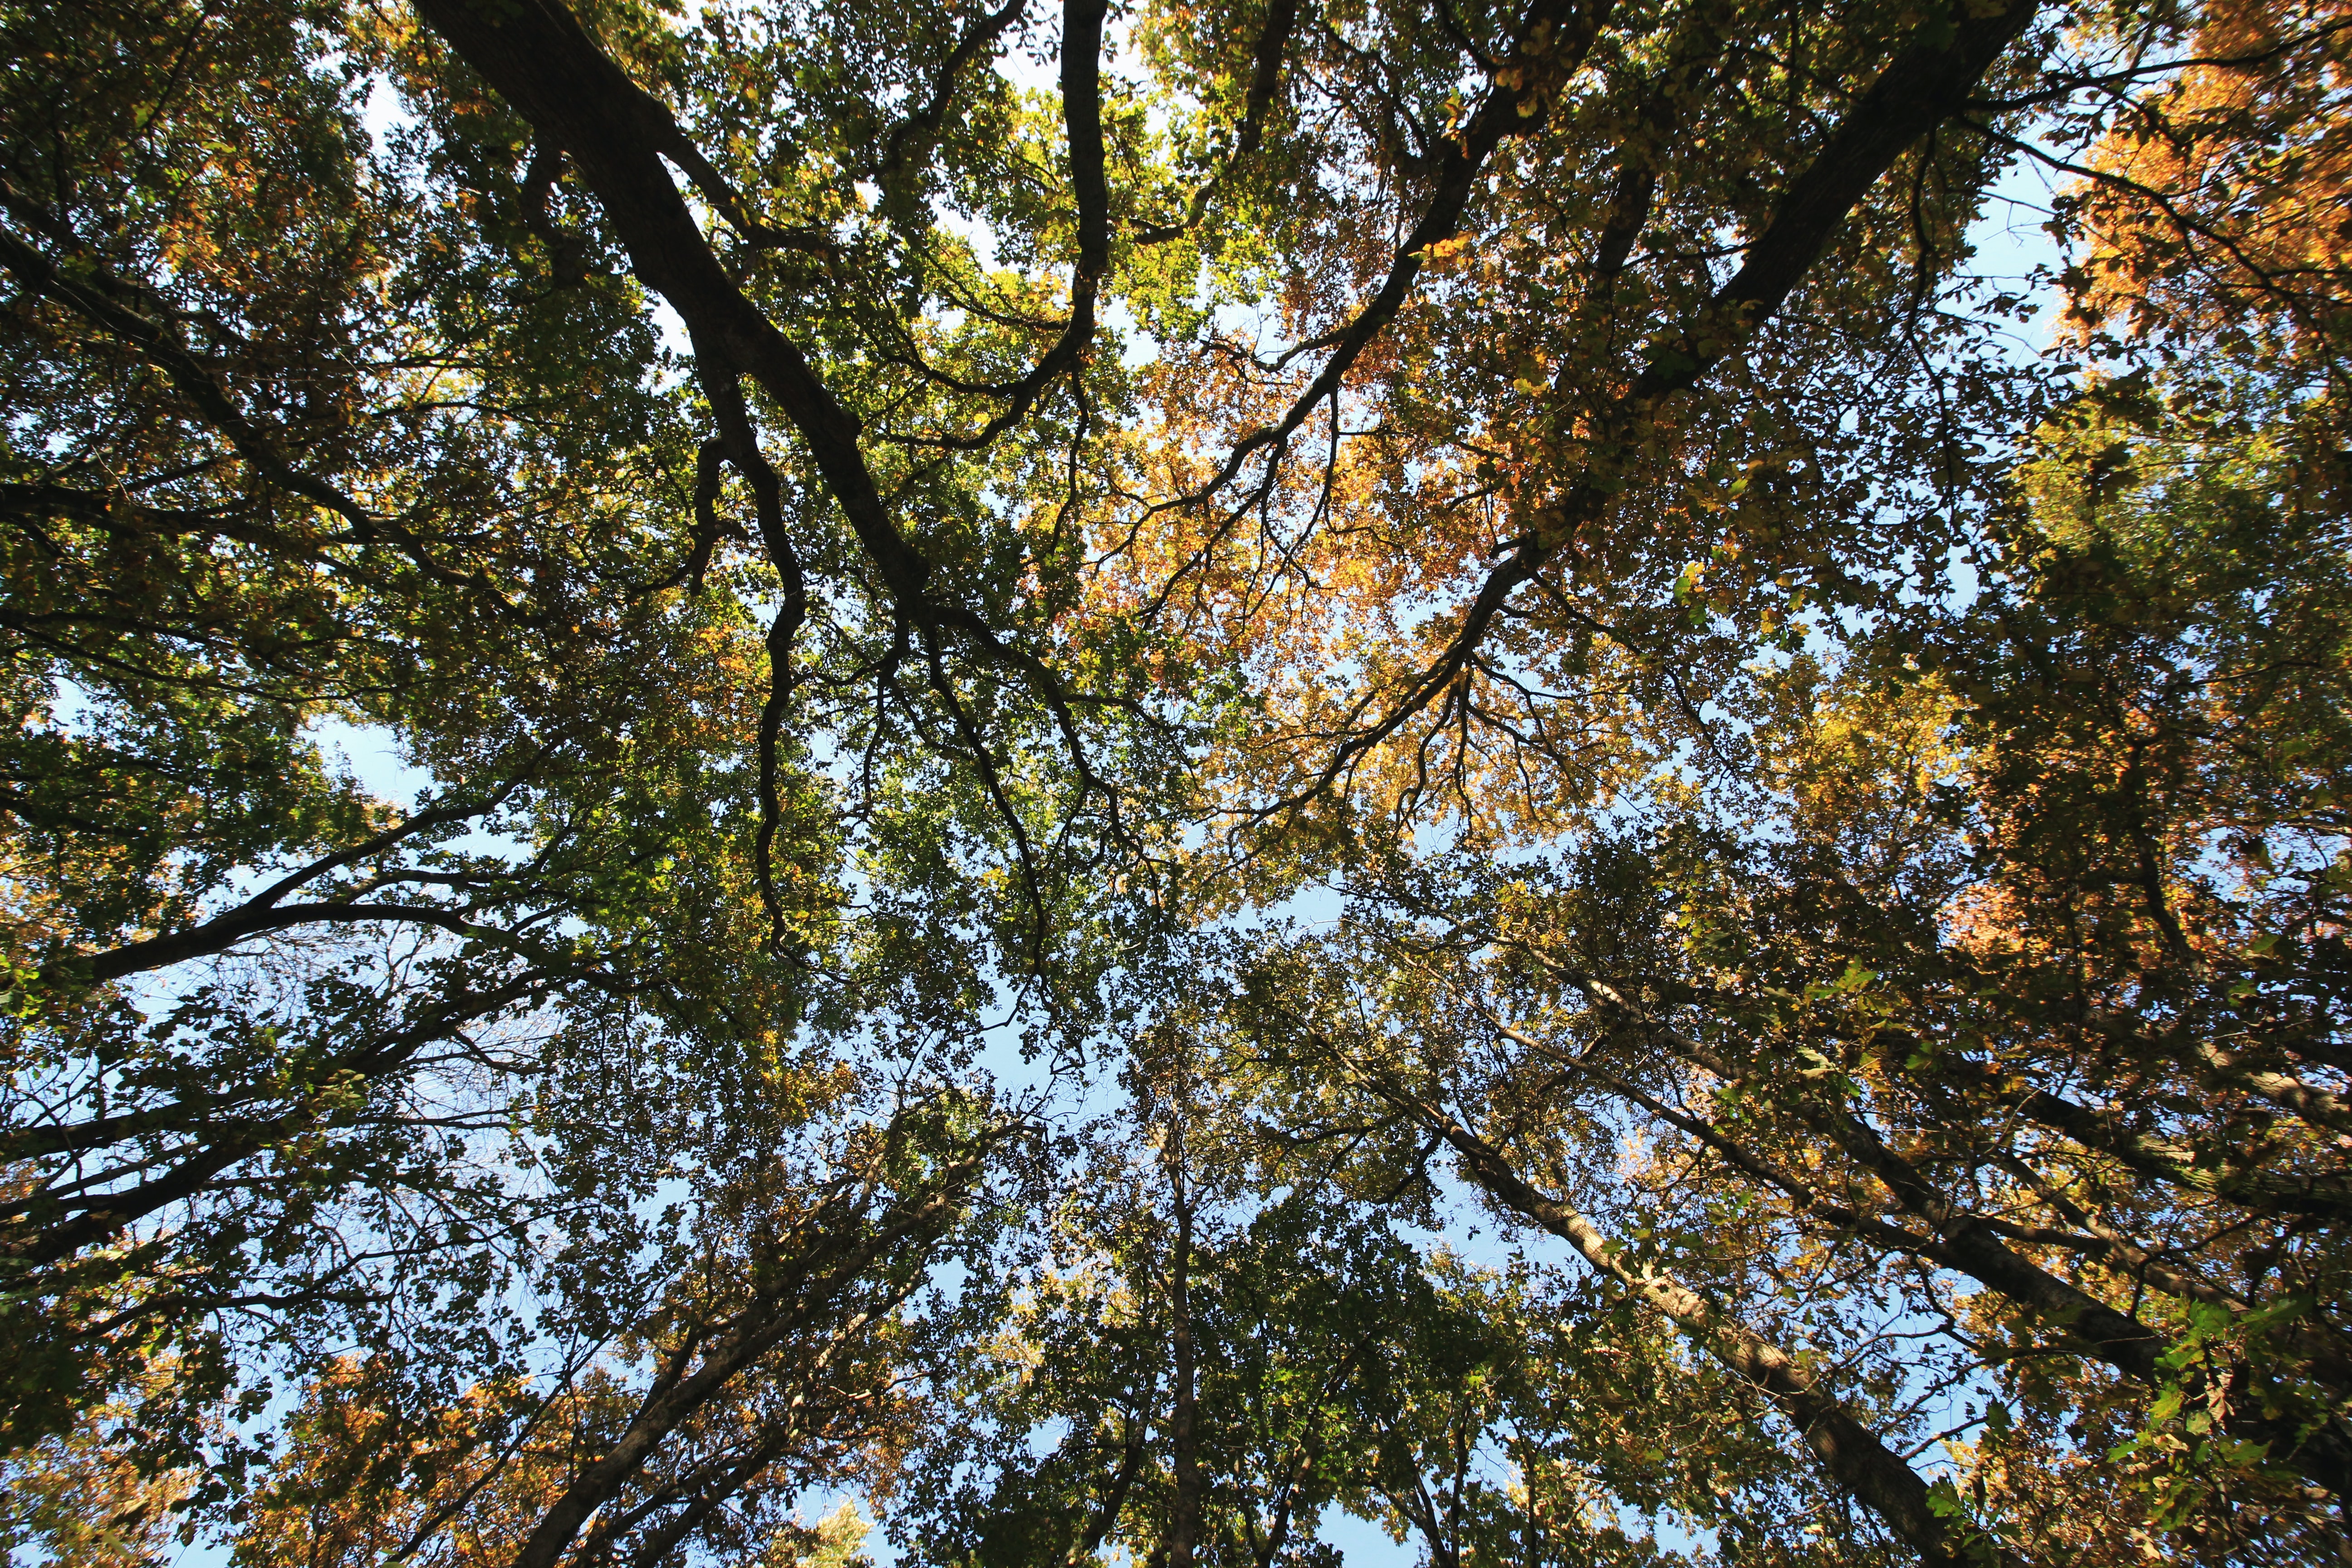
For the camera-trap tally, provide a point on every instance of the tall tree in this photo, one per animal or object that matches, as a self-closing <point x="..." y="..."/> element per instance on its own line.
<point x="910" y="549"/>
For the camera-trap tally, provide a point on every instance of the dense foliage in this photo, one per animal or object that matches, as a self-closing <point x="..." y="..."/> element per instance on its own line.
<point x="1112" y="781"/>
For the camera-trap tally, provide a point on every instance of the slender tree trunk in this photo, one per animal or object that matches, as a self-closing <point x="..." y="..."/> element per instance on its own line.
<point x="1855" y="1456"/>
<point x="1183" y="1443"/>
<point x="1105" y="1517"/>
<point x="831" y="1263"/>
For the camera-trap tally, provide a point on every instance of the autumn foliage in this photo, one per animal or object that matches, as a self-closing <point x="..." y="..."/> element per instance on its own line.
<point x="1018" y="787"/>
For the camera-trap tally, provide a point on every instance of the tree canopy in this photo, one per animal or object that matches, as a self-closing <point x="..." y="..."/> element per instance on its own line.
<point x="1573" y="777"/>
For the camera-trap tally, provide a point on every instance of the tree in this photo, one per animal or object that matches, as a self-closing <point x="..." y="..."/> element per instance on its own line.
<point x="915" y="546"/>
